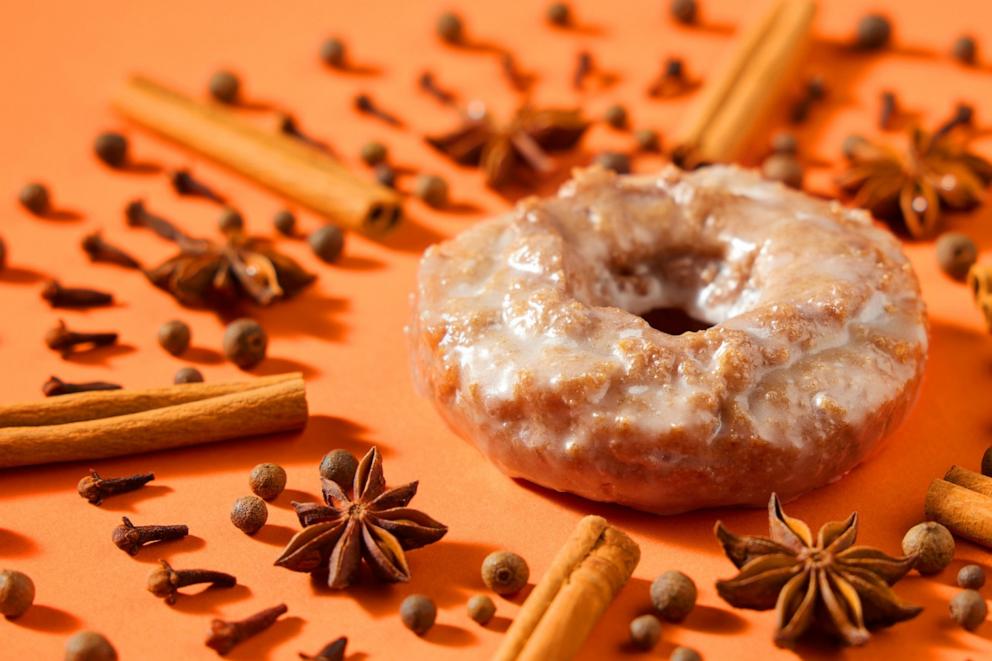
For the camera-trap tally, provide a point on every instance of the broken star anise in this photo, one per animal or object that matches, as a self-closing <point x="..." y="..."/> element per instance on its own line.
<point x="211" y="275"/>
<point x="841" y="588"/>
<point x="523" y="143"/>
<point x="373" y="523"/>
<point x="936" y="171"/>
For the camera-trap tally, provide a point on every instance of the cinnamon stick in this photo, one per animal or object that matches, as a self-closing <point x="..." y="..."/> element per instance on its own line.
<point x="277" y="406"/>
<point x="742" y="95"/>
<point x="585" y="576"/>
<point x="969" y="480"/>
<point x="964" y="512"/>
<point x="289" y="166"/>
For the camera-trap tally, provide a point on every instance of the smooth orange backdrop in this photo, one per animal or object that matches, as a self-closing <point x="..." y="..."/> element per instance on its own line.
<point x="60" y="63"/>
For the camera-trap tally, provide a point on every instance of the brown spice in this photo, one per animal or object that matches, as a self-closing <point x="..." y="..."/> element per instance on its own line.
<point x="645" y="631"/>
<point x="245" y="343"/>
<point x="174" y="336"/>
<point x="932" y="544"/>
<point x="418" y="613"/>
<point x="673" y="595"/>
<point x="130" y="538"/>
<point x="968" y="609"/>
<point x="956" y="253"/>
<point x="333" y="651"/>
<point x="481" y="609"/>
<point x="339" y="466"/>
<point x="67" y="342"/>
<point x="98" y="250"/>
<point x="504" y="572"/>
<point x="187" y="375"/>
<point x="55" y="387"/>
<point x="971" y="577"/>
<point x="184" y="183"/>
<point x="89" y="646"/>
<point x="74" y="297"/>
<point x="165" y="581"/>
<point x="225" y="636"/>
<point x="16" y="593"/>
<point x="95" y="488"/>
<point x="249" y="514"/>
<point x="267" y="480"/>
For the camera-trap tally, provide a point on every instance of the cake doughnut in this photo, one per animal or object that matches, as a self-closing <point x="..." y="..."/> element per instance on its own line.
<point x="526" y="334"/>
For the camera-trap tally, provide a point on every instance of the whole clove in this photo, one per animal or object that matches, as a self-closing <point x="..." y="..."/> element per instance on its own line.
<point x="813" y="91"/>
<point x="671" y="81"/>
<point x="184" y="183"/>
<point x="559" y="13"/>
<point x="583" y="67"/>
<point x="139" y="216"/>
<point x="99" y="250"/>
<point x="74" y="297"/>
<point x="289" y="126"/>
<point x="888" y="111"/>
<point x="332" y="651"/>
<point x="55" y="387"/>
<point x="165" y="581"/>
<point x="66" y="342"/>
<point x="95" y="488"/>
<point x="518" y="80"/>
<point x="225" y="636"/>
<point x="449" y="28"/>
<point x="427" y="83"/>
<point x="130" y="538"/>
<point x="963" y="116"/>
<point x="365" y="104"/>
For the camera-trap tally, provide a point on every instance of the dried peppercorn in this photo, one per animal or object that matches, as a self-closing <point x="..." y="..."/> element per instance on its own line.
<point x="971" y="577"/>
<point x="245" y="343"/>
<point x="432" y="189"/>
<point x="645" y="631"/>
<point x="374" y="153"/>
<point x="230" y="221"/>
<point x="968" y="609"/>
<point x="684" y="11"/>
<point x="616" y="116"/>
<point x="616" y="161"/>
<point x="111" y="148"/>
<point x="267" y="480"/>
<point x="285" y="222"/>
<point x="339" y="466"/>
<point x="449" y="27"/>
<point x="188" y="375"/>
<point x="955" y="254"/>
<point x="481" y="609"/>
<point x="225" y="87"/>
<point x="685" y="654"/>
<point x="89" y="646"/>
<point x="418" y="613"/>
<point x="785" y="168"/>
<point x="16" y="593"/>
<point x="673" y="595"/>
<point x="332" y="52"/>
<point x="35" y="198"/>
<point x="249" y="514"/>
<point x="932" y="544"/>
<point x="504" y="572"/>
<point x="327" y="242"/>
<point x="874" y="31"/>
<point x="174" y="336"/>
<point x="964" y="50"/>
<point x="647" y="140"/>
<point x="559" y="13"/>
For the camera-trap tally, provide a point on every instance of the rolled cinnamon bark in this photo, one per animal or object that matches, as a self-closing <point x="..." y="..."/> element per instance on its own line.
<point x="283" y="163"/>
<point x="969" y="480"/>
<point x="276" y="407"/>
<point x="585" y="576"/>
<point x="964" y="512"/>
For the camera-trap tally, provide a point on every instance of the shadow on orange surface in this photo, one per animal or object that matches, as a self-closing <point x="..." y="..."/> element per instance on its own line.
<point x="210" y="600"/>
<point x="47" y="618"/>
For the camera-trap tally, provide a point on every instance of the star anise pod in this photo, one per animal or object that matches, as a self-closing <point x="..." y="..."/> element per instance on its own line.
<point x="523" y="143"/>
<point x="936" y="171"/>
<point x="841" y="588"/>
<point x="373" y="523"/>
<point x="205" y="274"/>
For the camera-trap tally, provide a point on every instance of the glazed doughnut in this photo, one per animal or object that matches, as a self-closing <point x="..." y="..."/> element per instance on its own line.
<point x="526" y="335"/>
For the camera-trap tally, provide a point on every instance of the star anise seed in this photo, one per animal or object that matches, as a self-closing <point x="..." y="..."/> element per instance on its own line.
<point x="828" y="583"/>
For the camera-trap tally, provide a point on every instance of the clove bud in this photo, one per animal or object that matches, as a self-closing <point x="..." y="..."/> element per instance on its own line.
<point x="165" y="581"/>
<point x="138" y="216"/>
<point x="130" y="538"/>
<point x="332" y="651"/>
<point x="74" y="297"/>
<point x="99" y="250"/>
<point x="95" y="488"/>
<point x="427" y="83"/>
<point x="225" y="636"/>
<point x="185" y="183"/>
<point x="56" y="386"/>
<point x="364" y="104"/>
<point x="66" y="342"/>
<point x="288" y="126"/>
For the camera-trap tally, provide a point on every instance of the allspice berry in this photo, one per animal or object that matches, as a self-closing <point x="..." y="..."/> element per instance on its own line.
<point x="645" y="631"/>
<point x="481" y="609"/>
<point x="174" y="336"/>
<point x="784" y="168"/>
<point x="685" y="654"/>
<point x="111" y="148"/>
<point x="245" y="343"/>
<point x="684" y="11"/>
<point x="267" y="480"/>
<point x="673" y="595"/>
<point x="647" y="140"/>
<point x="327" y="242"/>
<point x="89" y="646"/>
<point x="616" y="116"/>
<point x="971" y="577"/>
<point x="249" y="514"/>
<point x="34" y="197"/>
<point x="449" y="27"/>
<point x="955" y="254"/>
<point x="504" y="572"/>
<point x="230" y="221"/>
<point x="874" y="31"/>
<point x="964" y="50"/>
<point x="339" y="466"/>
<point x="968" y="609"/>
<point x="16" y="593"/>
<point x="187" y="375"/>
<point x="933" y="545"/>
<point x="432" y="189"/>
<point x="418" y="613"/>
<point x="225" y="87"/>
<point x="559" y="13"/>
<point x="285" y="222"/>
<point x="332" y="52"/>
<point x="374" y="152"/>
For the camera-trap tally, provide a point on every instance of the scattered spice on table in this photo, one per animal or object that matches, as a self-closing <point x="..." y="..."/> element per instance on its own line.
<point x="673" y="595"/>
<point x="888" y="110"/>
<point x="138" y="215"/>
<point x="873" y="32"/>
<point x="245" y="343"/>
<point x="481" y="609"/>
<point x="332" y="651"/>
<point x="559" y="13"/>
<point x="175" y="336"/>
<point x="249" y="514"/>
<point x="267" y="480"/>
<point x="683" y="11"/>
<point x="449" y="28"/>
<point x="814" y="90"/>
<point x="96" y="488"/>
<point x="188" y="375"/>
<point x="672" y="81"/>
<point x="616" y="116"/>
<point x="956" y="253"/>
<point x="432" y="189"/>
<point x="59" y="296"/>
<point x="16" y="593"/>
<point x="130" y="538"/>
<point x="365" y="105"/>
<point x="932" y="544"/>
<point x="429" y="84"/>
<point x="971" y="577"/>
<point x="333" y="53"/>
<point x="374" y="152"/>
<point x="647" y="140"/>
<point x="289" y="126"/>
<point x="685" y="654"/>
<point x="89" y="646"/>
<point x="56" y="387"/>
<point x="285" y="223"/>
<point x="505" y="572"/>
<point x="613" y="160"/>
<point x="418" y="613"/>
<point x="184" y="183"/>
<point x="965" y="50"/>
<point x="339" y="466"/>
<point x="785" y="168"/>
<point x="968" y="609"/>
<point x="35" y="198"/>
<point x="225" y="636"/>
<point x="385" y="174"/>
<point x="99" y="250"/>
<point x="826" y="580"/>
<point x="231" y="221"/>
<point x="225" y="87"/>
<point x="111" y="148"/>
<point x="68" y="342"/>
<point x="164" y="582"/>
<point x="785" y="142"/>
<point x="519" y="80"/>
<point x="645" y="632"/>
<point x="373" y="524"/>
<point x="327" y="242"/>
<point x="583" y="68"/>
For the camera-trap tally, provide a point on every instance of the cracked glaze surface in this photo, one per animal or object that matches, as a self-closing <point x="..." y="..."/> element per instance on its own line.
<point x="527" y="337"/>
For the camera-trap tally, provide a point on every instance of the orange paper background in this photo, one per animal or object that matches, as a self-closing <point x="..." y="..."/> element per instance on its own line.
<point x="61" y="63"/>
